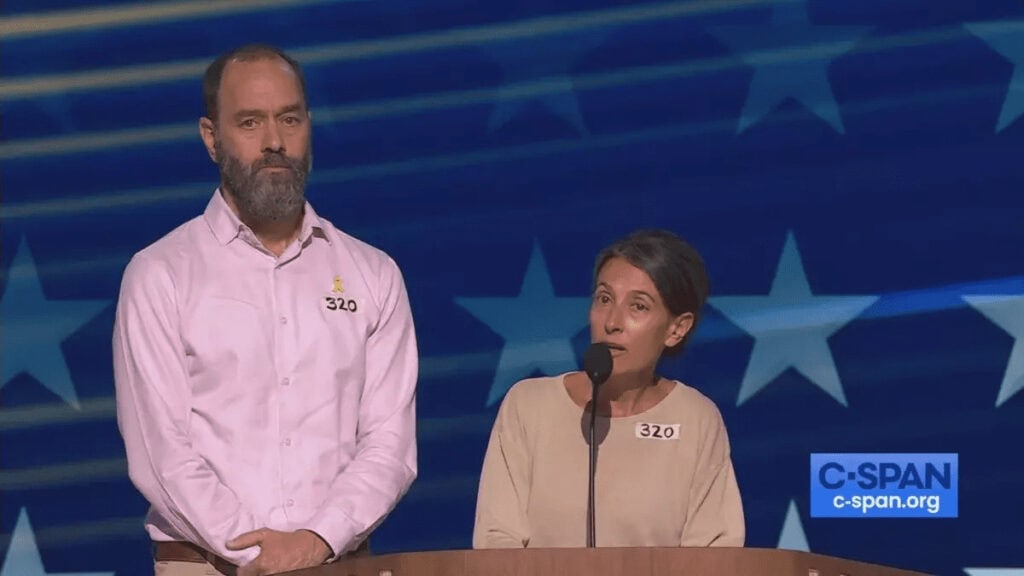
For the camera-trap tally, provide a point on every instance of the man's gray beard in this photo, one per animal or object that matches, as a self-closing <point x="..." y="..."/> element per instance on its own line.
<point x="263" y="196"/>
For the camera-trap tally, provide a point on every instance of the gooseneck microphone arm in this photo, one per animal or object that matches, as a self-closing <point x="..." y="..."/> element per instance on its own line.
<point x="591" y="505"/>
<point x="597" y="363"/>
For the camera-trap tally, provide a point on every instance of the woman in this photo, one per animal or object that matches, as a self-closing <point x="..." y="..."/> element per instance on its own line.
<point x="664" y="474"/>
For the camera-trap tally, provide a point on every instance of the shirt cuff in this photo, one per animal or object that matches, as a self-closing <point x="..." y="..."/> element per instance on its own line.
<point x="336" y="529"/>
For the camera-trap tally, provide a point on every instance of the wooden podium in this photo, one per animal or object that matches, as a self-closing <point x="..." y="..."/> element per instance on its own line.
<point x="604" y="562"/>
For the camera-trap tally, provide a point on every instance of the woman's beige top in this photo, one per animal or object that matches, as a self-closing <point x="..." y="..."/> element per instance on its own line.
<point x="664" y="476"/>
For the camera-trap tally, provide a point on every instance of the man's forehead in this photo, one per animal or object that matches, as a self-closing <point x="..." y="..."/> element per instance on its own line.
<point x="268" y="68"/>
<point x="249" y="82"/>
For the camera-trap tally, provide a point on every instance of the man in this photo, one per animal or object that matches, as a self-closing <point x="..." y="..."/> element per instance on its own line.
<point x="265" y="362"/>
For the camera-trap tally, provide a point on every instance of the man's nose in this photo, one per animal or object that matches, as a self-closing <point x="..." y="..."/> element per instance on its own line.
<point x="272" y="141"/>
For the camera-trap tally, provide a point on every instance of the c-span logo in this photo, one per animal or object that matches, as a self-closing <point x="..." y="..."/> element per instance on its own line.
<point x="884" y="485"/>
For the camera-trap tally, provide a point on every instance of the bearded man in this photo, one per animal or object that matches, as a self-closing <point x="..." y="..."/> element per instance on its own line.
<point x="265" y="362"/>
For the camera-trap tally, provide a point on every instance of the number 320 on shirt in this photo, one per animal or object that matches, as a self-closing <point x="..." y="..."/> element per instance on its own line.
<point x="648" y="431"/>
<point x="335" y="303"/>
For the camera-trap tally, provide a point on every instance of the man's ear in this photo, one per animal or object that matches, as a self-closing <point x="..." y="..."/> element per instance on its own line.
<point x="678" y="329"/>
<point x="208" y="132"/>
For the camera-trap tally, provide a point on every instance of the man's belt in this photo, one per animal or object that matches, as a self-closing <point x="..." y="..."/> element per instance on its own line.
<point x="178" y="551"/>
<point x="189" y="552"/>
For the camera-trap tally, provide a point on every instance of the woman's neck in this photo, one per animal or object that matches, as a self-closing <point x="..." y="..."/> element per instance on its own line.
<point x="622" y="395"/>
<point x="627" y="394"/>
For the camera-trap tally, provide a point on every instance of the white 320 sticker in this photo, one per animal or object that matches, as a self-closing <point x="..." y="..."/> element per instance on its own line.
<point x="647" y="431"/>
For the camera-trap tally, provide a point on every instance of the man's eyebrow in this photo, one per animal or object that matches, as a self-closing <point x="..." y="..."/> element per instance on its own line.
<point x="248" y="114"/>
<point x="290" y="108"/>
<point x="256" y="113"/>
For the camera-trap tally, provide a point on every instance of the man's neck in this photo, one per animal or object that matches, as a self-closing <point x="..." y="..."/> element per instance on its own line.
<point x="277" y="235"/>
<point x="274" y="235"/>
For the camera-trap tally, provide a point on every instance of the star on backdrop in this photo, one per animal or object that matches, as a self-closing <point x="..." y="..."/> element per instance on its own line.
<point x="1006" y="38"/>
<point x="994" y="571"/>
<point x="792" y="536"/>
<point x="791" y="327"/>
<point x="546" y="62"/>
<point x="23" y="558"/>
<point x="1007" y="312"/>
<point x="538" y="327"/>
<point x="790" y="60"/>
<point x="34" y="327"/>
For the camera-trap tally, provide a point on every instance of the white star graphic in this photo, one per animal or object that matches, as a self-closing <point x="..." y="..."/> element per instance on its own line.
<point x="792" y="536"/>
<point x="34" y="327"/>
<point x="1007" y="38"/>
<point x="1007" y="312"/>
<point x="539" y="71"/>
<point x="23" y="557"/>
<point x="791" y="327"/>
<point x="994" y="571"/>
<point x="538" y="327"/>
<point x="790" y="58"/>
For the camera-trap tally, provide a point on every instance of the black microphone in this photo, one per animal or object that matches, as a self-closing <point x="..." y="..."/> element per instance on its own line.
<point x="597" y="363"/>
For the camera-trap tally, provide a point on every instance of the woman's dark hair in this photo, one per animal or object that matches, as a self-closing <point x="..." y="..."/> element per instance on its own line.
<point x="675" y="267"/>
<point x="247" y="53"/>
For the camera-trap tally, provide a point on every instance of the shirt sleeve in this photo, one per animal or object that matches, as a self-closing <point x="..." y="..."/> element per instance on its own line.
<point x="504" y="486"/>
<point x="715" y="514"/>
<point x="384" y="465"/>
<point x="153" y="400"/>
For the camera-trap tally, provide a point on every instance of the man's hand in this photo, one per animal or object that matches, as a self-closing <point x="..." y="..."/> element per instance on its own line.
<point x="281" y="551"/>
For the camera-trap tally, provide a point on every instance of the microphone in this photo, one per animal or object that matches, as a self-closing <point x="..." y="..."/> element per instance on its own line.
<point x="597" y="363"/>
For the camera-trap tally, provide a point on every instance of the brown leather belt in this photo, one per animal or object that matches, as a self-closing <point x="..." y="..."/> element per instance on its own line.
<point x="178" y="551"/>
<point x="189" y="552"/>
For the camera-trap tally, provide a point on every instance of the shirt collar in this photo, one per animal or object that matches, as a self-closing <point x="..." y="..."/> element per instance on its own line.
<point x="226" y="226"/>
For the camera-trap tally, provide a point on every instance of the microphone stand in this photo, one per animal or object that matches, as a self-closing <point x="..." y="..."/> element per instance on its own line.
<point x="591" y="512"/>
<point x="597" y="363"/>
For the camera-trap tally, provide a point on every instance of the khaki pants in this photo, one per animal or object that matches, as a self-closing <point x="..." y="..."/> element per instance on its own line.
<point x="184" y="569"/>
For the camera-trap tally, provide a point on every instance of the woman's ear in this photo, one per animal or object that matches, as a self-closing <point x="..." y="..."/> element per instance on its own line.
<point x="678" y="329"/>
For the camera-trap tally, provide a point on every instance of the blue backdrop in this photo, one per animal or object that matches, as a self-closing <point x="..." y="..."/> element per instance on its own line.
<point x="851" y="172"/>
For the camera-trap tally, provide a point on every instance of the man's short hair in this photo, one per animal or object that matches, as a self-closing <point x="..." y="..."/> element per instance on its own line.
<point x="247" y="53"/>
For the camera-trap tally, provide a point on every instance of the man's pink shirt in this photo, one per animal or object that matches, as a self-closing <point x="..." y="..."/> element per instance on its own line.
<point x="260" y="391"/>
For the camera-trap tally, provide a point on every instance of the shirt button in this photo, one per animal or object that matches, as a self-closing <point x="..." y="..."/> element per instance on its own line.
<point x="287" y="442"/>
<point x="290" y="502"/>
<point x="285" y="382"/>
<point x="284" y="320"/>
